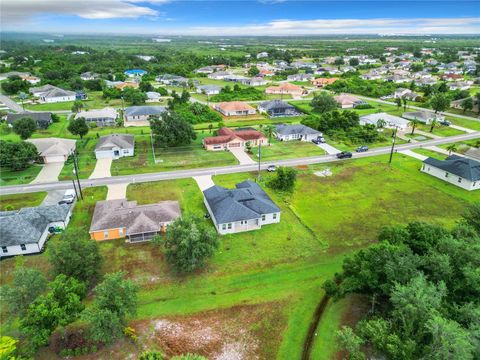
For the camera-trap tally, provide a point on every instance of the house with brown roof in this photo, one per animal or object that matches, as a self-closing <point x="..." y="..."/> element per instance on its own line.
<point x="285" y="89"/>
<point x="124" y="85"/>
<point x="321" y="82"/>
<point x="234" y="108"/>
<point x="346" y="101"/>
<point x="238" y="138"/>
<point x="116" y="219"/>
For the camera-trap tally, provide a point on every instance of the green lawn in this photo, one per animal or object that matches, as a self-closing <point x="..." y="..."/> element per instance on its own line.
<point x="440" y="130"/>
<point x="469" y="124"/>
<point x="430" y="153"/>
<point x="279" y="268"/>
<point x="86" y="160"/>
<point x="278" y="150"/>
<point x="18" y="201"/>
<point x="187" y="157"/>
<point x="9" y="177"/>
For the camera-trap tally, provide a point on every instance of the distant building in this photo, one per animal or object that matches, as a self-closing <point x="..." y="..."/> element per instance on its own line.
<point x="135" y="72"/>
<point x="425" y="117"/>
<point x="276" y="108"/>
<point x="140" y="115"/>
<point x="346" y="101"/>
<point x="115" y="146"/>
<point x="42" y="119"/>
<point x="209" y="89"/>
<point x="52" y="94"/>
<point x="391" y="121"/>
<point x="285" y="89"/>
<point x="54" y="150"/>
<point x="234" y="108"/>
<point x="238" y="138"/>
<point x="287" y="132"/>
<point x="101" y="117"/>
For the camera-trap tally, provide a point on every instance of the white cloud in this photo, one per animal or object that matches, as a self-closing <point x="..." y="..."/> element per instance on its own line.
<point x="21" y="11"/>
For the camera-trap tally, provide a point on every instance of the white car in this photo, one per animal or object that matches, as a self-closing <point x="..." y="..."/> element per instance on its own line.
<point x="68" y="197"/>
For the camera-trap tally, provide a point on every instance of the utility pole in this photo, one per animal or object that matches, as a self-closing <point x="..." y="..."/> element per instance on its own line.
<point x="259" y="158"/>
<point x="75" y="188"/>
<point x="76" y="173"/>
<point x="393" y="144"/>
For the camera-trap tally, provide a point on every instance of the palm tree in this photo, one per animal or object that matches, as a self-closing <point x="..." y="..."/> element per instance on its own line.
<point x="210" y="127"/>
<point x="399" y="102"/>
<point x="451" y="148"/>
<point x="414" y="123"/>
<point x="433" y="124"/>
<point x="269" y="129"/>
<point x="404" y="99"/>
<point x="381" y="123"/>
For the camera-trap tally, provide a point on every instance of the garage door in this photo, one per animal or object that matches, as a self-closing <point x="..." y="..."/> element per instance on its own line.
<point x="52" y="159"/>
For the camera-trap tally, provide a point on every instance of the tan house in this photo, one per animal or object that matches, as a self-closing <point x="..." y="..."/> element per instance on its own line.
<point x="321" y="82"/>
<point x="228" y="138"/>
<point x="234" y="108"/>
<point x="124" y="85"/>
<point x="116" y="219"/>
<point x="285" y="89"/>
<point x="346" y="101"/>
<point x="54" y="149"/>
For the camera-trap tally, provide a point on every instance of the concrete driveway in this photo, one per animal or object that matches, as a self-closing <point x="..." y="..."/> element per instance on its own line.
<point x="117" y="191"/>
<point x="329" y="149"/>
<point x="242" y="156"/>
<point x="49" y="173"/>
<point x="102" y="169"/>
<point x="204" y="182"/>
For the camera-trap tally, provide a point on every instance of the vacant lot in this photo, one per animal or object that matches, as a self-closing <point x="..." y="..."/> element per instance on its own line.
<point x="278" y="150"/>
<point x="18" y="201"/>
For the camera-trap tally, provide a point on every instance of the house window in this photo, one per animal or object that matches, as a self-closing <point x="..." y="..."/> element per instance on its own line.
<point x="23" y="247"/>
<point x="229" y="226"/>
<point x="459" y="179"/>
<point x="224" y="226"/>
<point x="263" y="217"/>
<point x="423" y="167"/>
<point x="105" y="234"/>
<point x="4" y="249"/>
<point x="274" y="216"/>
<point x="125" y="151"/>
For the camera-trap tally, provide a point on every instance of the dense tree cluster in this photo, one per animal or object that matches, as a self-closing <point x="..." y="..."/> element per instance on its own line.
<point x="17" y="155"/>
<point x="171" y="129"/>
<point x="424" y="286"/>
<point x="238" y="94"/>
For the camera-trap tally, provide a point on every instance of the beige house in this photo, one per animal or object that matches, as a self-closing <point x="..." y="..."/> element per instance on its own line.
<point x="228" y="138"/>
<point x="285" y="89"/>
<point x="234" y="108"/>
<point x="54" y="149"/>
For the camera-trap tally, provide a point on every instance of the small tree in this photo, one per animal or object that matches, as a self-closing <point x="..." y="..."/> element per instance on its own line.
<point x="323" y="102"/>
<point x="78" y="127"/>
<point x="381" y="123"/>
<point x="27" y="284"/>
<point x="151" y="355"/>
<point x="24" y="127"/>
<point x="189" y="357"/>
<point x="398" y="101"/>
<point x="467" y="104"/>
<point x="77" y="257"/>
<point x="269" y="130"/>
<point x="404" y="100"/>
<point x="210" y="127"/>
<point x="439" y="102"/>
<point x="451" y="148"/>
<point x="284" y="180"/>
<point x="77" y="106"/>
<point x="253" y="71"/>
<point x="414" y="123"/>
<point x="351" y="343"/>
<point x="433" y="124"/>
<point x="189" y="243"/>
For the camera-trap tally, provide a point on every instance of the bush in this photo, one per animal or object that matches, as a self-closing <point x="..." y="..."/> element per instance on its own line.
<point x="238" y="93"/>
<point x="284" y="179"/>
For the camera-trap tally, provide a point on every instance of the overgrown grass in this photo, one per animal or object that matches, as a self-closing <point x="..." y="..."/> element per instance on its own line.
<point x="9" y="177"/>
<point x="18" y="201"/>
<point x="86" y="160"/>
<point x="278" y="150"/>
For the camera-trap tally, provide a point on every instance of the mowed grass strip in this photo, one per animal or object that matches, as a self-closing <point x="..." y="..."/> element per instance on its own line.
<point x="18" y="201"/>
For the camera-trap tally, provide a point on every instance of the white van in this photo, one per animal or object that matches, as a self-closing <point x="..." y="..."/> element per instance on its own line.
<point x="68" y="197"/>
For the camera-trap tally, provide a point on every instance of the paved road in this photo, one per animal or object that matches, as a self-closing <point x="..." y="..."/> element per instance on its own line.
<point x="12" y="105"/>
<point x="180" y="174"/>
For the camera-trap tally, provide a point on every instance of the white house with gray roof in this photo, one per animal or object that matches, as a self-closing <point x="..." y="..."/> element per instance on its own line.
<point x="115" y="146"/>
<point x="287" y="132"/>
<point x="456" y="170"/>
<point x="139" y="115"/>
<point x="245" y="208"/>
<point x="52" y="94"/>
<point x="209" y="89"/>
<point x="102" y="117"/>
<point x="391" y="121"/>
<point x="25" y="231"/>
<point x="425" y="117"/>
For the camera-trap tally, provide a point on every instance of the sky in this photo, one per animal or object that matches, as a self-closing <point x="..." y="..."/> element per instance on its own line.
<point x="248" y="17"/>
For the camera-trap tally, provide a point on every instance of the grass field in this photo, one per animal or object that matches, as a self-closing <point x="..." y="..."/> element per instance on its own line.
<point x="9" y="177"/>
<point x="18" y="201"/>
<point x="277" y="270"/>
<point x="278" y="150"/>
<point x="86" y="160"/>
<point x="441" y="130"/>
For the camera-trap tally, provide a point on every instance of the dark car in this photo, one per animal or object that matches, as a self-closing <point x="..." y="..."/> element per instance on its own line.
<point x="362" y="149"/>
<point x="445" y="123"/>
<point x="344" y="155"/>
<point x="271" y="168"/>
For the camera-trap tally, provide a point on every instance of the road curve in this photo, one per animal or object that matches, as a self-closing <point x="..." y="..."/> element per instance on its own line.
<point x="179" y="174"/>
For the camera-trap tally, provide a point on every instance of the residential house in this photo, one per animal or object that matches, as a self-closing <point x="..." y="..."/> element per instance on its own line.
<point x="391" y="121"/>
<point x="425" y="81"/>
<point x="451" y="77"/>
<point x="101" y="117"/>
<point x="425" y="117"/>
<point x="227" y="138"/>
<point x="127" y="84"/>
<point x="145" y="57"/>
<point x="31" y="79"/>
<point x="256" y="81"/>
<point x="372" y="75"/>
<point x="81" y="95"/>
<point x="300" y="77"/>
<point x="327" y="70"/>
<point x="400" y="93"/>
<point x="25" y="231"/>
<point x="321" y="82"/>
<point x="9" y="74"/>
<point x="287" y="132"/>
<point x="303" y="65"/>
<point x="153" y="96"/>
<point x="88" y="76"/>
<point x="277" y="108"/>
<point x="173" y="80"/>
<point x="234" y="108"/>
<point x="140" y="115"/>
<point x="115" y="146"/>
<point x="135" y="72"/>
<point x="206" y="70"/>
<point x="209" y="89"/>
<point x="117" y="219"/>
<point x="219" y="75"/>
<point x="456" y="170"/>
<point x="457" y="104"/>
<point x="52" y="94"/>
<point x="54" y="150"/>
<point x="42" y="119"/>
<point x="459" y="85"/>
<point x="346" y="101"/>
<point x="286" y="89"/>
<point x="261" y="55"/>
<point x="397" y="79"/>
<point x="245" y="208"/>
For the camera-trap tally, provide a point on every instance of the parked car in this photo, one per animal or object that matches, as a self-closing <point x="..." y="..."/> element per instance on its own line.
<point x="68" y="197"/>
<point x="319" y="140"/>
<point x="362" y="148"/>
<point x="445" y="123"/>
<point x="271" y="168"/>
<point x="344" y="155"/>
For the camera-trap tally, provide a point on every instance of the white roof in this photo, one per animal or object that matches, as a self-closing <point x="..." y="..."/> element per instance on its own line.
<point x="391" y="120"/>
<point x="110" y="113"/>
<point x="53" y="146"/>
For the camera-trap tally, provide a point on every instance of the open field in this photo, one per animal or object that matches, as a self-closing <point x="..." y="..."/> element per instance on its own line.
<point x="286" y="150"/>
<point x="277" y="270"/>
<point x="18" y="201"/>
<point x="9" y="177"/>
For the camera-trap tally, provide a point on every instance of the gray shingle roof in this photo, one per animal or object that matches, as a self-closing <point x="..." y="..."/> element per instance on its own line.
<point x="43" y="119"/>
<point x="27" y="225"/>
<point x="247" y="201"/>
<point x="275" y="104"/>
<point x="137" y="219"/>
<point x="123" y="141"/>
<point x="285" y="129"/>
<point x="144" y="110"/>
<point x="463" y="167"/>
